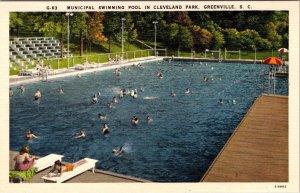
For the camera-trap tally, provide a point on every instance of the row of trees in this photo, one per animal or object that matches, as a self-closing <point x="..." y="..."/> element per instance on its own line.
<point x="175" y="30"/>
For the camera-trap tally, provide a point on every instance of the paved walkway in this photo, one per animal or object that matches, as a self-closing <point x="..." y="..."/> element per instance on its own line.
<point x="16" y="80"/>
<point x="258" y="149"/>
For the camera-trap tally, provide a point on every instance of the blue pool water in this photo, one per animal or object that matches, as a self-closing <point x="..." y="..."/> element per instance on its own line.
<point x="185" y="136"/>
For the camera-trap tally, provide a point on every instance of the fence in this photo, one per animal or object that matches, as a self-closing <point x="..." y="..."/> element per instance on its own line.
<point x="117" y="57"/>
<point x="232" y="54"/>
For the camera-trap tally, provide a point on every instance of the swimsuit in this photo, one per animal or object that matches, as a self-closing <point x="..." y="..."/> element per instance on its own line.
<point x="69" y="167"/>
<point x="24" y="165"/>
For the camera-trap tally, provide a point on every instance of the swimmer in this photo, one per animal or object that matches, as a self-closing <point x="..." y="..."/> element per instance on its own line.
<point x="30" y="135"/>
<point x="134" y="120"/>
<point x="102" y="116"/>
<point x="173" y="93"/>
<point x="212" y="68"/>
<point x="121" y="95"/>
<point x="99" y="93"/>
<point x="11" y="92"/>
<point x="114" y="100"/>
<point x="78" y="75"/>
<point x="117" y="72"/>
<point x="110" y="106"/>
<point x="61" y="91"/>
<point x="187" y="91"/>
<point x="160" y="76"/>
<point x="205" y="78"/>
<point x="233" y="102"/>
<point x="81" y="134"/>
<point x="105" y="129"/>
<point x="142" y="89"/>
<point x="132" y="93"/>
<point x="22" y="89"/>
<point x="118" y="151"/>
<point x="94" y="99"/>
<point x="135" y="95"/>
<point x="221" y="101"/>
<point x="37" y="94"/>
<point x="149" y="120"/>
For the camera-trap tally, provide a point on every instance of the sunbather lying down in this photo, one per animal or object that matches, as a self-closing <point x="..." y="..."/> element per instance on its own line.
<point x="59" y="167"/>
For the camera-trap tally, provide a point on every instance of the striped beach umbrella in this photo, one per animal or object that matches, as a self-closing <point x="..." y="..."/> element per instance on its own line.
<point x="273" y="61"/>
<point x="282" y="50"/>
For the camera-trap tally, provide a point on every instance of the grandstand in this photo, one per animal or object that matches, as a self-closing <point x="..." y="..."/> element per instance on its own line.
<point x="29" y="51"/>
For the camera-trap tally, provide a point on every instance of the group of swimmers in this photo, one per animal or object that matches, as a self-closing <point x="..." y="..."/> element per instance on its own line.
<point x="221" y="101"/>
<point x="106" y="129"/>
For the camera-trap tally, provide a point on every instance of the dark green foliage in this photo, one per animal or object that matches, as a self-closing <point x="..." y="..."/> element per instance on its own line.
<point x="175" y="30"/>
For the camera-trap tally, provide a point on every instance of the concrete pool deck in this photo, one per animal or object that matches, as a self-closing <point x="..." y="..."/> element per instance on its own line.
<point x="257" y="151"/>
<point x="16" y="80"/>
<point x="87" y="177"/>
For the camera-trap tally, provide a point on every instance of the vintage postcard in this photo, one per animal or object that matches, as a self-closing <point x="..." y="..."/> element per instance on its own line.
<point x="184" y="96"/>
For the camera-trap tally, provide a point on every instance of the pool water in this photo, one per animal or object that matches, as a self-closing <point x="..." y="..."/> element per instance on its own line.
<point x="187" y="131"/>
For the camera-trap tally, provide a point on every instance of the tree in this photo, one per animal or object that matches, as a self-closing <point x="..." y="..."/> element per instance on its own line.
<point x="202" y="37"/>
<point x="95" y="28"/>
<point x="15" y="21"/>
<point x="232" y="38"/>
<point x="79" y="28"/>
<point x="49" y="24"/>
<point x="251" y="39"/>
<point x="171" y="34"/>
<point x="184" y="38"/>
<point x="273" y="36"/>
<point x="112" y="26"/>
<point x="179" y="17"/>
<point x="130" y="30"/>
<point x="217" y="40"/>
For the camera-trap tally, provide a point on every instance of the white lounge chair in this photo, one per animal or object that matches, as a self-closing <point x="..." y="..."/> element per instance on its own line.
<point x="79" y="67"/>
<point x="47" y="161"/>
<point x="89" y="164"/>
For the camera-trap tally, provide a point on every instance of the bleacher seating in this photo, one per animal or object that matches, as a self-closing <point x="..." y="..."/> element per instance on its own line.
<point x="29" y="50"/>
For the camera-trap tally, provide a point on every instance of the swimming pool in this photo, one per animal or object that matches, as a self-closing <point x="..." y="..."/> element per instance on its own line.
<point x="187" y="131"/>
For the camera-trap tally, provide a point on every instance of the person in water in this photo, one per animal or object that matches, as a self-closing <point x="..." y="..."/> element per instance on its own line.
<point x="81" y="134"/>
<point x="61" y="91"/>
<point x="11" y="92"/>
<point x="59" y="167"/>
<point x="135" y="94"/>
<point x="30" y="135"/>
<point x="22" y="89"/>
<point x="118" y="151"/>
<point x="24" y="161"/>
<point x="94" y="99"/>
<point x="142" y="89"/>
<point x="173" y="93"/>
<point x="121" y="95"/>
<point x="117" y="72"/>
<point x="105" y="129"/>
<point x="134" y="120"/>
<point x="149" y="120"/>
<point x="187" y="91"/>
<point x="221" y="101"/>
<point x="37" y="94"/>
<point x="110" y="106"/>
<point x="102" y="116"/>
<point x="114" y="100"/>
